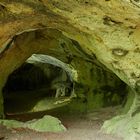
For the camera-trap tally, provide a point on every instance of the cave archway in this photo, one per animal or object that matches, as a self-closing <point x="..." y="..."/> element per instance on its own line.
<point x="95" y="84"/>
<point x="33" y="87"/>
<point x="113" y="37"/>
<point x="38" y="80"/>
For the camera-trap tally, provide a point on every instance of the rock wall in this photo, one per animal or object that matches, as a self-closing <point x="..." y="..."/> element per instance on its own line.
<point x="113" y="37"/>
<point x="95" y="87"/>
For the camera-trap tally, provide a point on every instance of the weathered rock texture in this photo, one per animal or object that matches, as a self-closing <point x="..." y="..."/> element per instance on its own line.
<point x="107" y="29"/>
<point x="37" y="87"/>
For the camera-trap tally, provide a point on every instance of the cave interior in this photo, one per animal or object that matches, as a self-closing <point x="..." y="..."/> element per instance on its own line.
<point x="41" y="87"/>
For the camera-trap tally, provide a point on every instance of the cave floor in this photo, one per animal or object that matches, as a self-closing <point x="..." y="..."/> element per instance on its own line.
<point x="79" y="127"/>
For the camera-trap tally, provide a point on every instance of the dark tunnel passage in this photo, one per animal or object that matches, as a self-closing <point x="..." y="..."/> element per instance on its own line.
<point x="30" y="83"/>
<point x="46" y="84"/>
<point x="27" y="77"/>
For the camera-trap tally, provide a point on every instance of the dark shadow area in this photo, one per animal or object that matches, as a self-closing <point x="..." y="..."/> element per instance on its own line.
<point x="34" y="90"/>
<point x="30" y="84"/>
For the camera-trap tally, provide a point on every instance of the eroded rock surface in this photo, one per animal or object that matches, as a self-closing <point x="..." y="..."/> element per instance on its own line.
<point x="106" y="31"/>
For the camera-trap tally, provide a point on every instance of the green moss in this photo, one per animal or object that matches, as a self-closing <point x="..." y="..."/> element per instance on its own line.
<point x="45" y="124"/>
<point x="124" y="126"/>
<point x="37" y="105"/>
<point x="95" y="101"/>
<point x="77" y="106"/>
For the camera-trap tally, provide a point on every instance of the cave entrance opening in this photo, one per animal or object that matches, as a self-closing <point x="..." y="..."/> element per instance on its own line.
<point x="38" y="86"/>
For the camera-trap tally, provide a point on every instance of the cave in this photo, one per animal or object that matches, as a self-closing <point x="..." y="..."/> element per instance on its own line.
<point x="95" y="47"/>
<point x="35" y="82"/>
<point x="63" y="80"/>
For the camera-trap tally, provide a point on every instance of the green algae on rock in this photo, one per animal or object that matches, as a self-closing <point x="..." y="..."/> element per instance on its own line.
<point x="45" y="124"/>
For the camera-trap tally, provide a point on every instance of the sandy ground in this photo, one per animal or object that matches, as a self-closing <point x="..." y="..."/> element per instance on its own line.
<point x="79" y="127"/>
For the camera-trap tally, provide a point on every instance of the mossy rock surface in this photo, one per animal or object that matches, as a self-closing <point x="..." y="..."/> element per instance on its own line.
<point x="45" y="124"/>
<point x="124" y="126"/>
